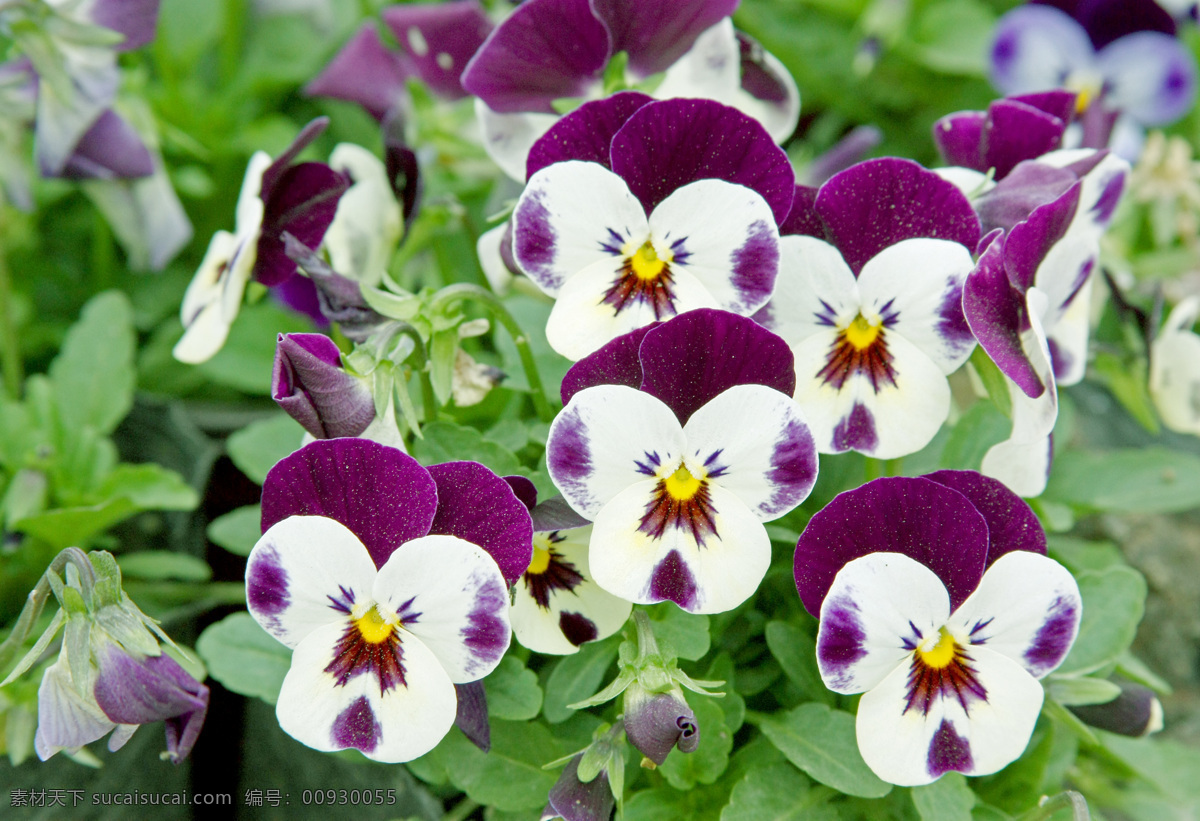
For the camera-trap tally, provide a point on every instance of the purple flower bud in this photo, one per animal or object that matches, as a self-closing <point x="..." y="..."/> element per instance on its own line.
<point x="572" y="800"/>
<point x="309" y="383"/>
<point x="1135" y="712"/>
<point x="656" y="722"/>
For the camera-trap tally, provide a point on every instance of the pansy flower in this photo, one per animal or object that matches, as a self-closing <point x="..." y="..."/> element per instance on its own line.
<point x="556" y="605"/>
<point x="936" y="602"/>
<point x="678" y="442"/>
<point x="869" y="299"/>
<point x="1127" y="68"/>
<point x="390" y="582"/>
<point x="276" y="197"/>
<point x="549" y="50"/>
<point x="1175" y="369"/>
<point x="637" y="210"/>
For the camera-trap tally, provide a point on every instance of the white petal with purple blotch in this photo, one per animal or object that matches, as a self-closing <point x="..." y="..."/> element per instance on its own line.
<point x="631" y="560"/>
<point x="305" y="572"/>
<point x="753" y="441"/>
<point x="815" y="290"/>
<point x="507" y="138"/>
<point x="1027" y="608"/>
<point x="584" y="608"/>
<point x="368" y="222"/>
<point x="912" y="747"/>
<point x="607" y="438"/>
<point x="1149" y="75"/>
<point x="213" y="298"/>
<point x="711" y="69"/>
<point x="1036" y="48"/>
<point x="451" y="595"/>
<point x="66" y="720"/>
<point x="879" y="607"/>
<point x="571" y="215"/>
<point x="400" y="724"/>
<point x="919" y="283"/>
<point x="1175" y="369"/>
<point x="584" y="317"/>
<point x="1069" y="337"/>
<point x="725" y="236"/>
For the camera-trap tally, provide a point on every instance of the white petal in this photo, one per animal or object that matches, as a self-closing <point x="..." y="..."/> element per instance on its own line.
<point x="507" y="138"/>
<point x="305" y="572"/>
<point x="399" y="725"/>
<point x="250" y="207"/>
<point x="368" y="222"/>
<point x="1026" y="607"/>
<point x="869" y="615"/>
<point x="458" y="601"/>
<point x="1175" y="370"/>
<point x="581" y="321"/>
<point x="815" y="290"/>
<point x="66" y="720"/>
<point x="920" y="280"/>
<point x="728" y="234"/>
<point x="970" y="182"/>
<point x="1070" y="335"/>
<point x="711" y="69"/>
<point x="214" y="296"/>
<point x="607" y="438"/>
<point x="487" y="248"/>
<point x="778" y="118"/>
<point x="1039" y="48"/>
<point x="758" y="441"/>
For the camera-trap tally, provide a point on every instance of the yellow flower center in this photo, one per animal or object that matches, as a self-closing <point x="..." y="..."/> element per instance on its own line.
<point x="941" y="654"/>
<point x="541" y="555"/>
<point x="373" y="627"/>
<point x="861" y="333"/>
<point x="682" y="485"/>
<point x="646" y="263"/>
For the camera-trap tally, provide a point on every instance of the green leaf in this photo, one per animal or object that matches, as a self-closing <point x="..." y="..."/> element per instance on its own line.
<point x="1168" y="765"/>
<point x="150" y="487"/>
<point x="510" y="776"/>
<point x="821" y="741"/>
<point x="704" y="766"/>
<point x="687" y="633"/>
<point x="93" y="375"/>
<point x="512" y="691"/>
<point x="1085" y="690"/>
<point x="448" y="442"/>
<point x="237" y="531"/>
<point x="74" y="526"/>
<point x="577" y="677"/>
<point x="156" y="565"/>
<point x="947" y="799"/>
<point x="257" y="447"/>
<point x="246" y="360"/>
<point x="953" y="37"/>
<point x="796" y="652"/>
<point x="1133" y="480"/>
<point x="779" y="792"/>
<point x="1113" y="602"/>
<point x="977" y="430"/>
<point x="245" y="658"/>
<point x="1127" y="380"/>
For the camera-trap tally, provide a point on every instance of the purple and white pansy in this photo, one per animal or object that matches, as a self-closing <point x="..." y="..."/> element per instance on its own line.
<point x="636" y="211"/>
<point x="549" y="50"/>
<point x="678" y="442"/>
<point x="557" y="607"/>
<point x="869" y="298"/>
<point x="936" y="602"/>
<point x="390" y="582"/>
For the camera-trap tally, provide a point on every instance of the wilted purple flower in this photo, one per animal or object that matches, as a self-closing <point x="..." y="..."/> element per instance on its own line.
<point x="310" y="384"/>
<point x="656" y="723"/>
<point x="937" y="604"/>
<point x="1135" y="712"/>
<point x="390" y="581"/>
<point x="573" y="800"/>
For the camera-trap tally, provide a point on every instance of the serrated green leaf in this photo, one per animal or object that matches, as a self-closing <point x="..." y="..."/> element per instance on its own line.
<point x="156" y="565"/>
<point x="796" y="653"/>
<point x="1132" y="480"/>
<point x="150" y="487"/>
<point x="257" y="447"/>
<point x="448" y="442"/>
<point x="577" y="677"/>
<point x="687" y="633"/>
<point x="704" y="766"/>
<point x="512" y="691"/>
<point x="947" y="799"/>
<point x="1113" y="603"/>
<point x="237" y="531"/>
<point x="245" y="658"/>
<point x="822" y="742"/>
<point x="93" y="375"/>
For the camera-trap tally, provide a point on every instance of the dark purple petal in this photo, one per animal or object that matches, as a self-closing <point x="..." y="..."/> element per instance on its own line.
<point x="803" y="218"/>
<point x="478" y="506"/>
<point x="615" y="363"/>
<point x="926" y="521"/>
<point x="136" y="19"/>
<point x="575" y="801"/>
<point x="1106" y="20"/>
<point x="339" y="299"/>
<point x="555" y="514"/>
<point x="656" y="722"/>
<point x="1135" y="712"/>
<point x="655" y="35"/>
<point x="282" y="164"/>
<point x="546" y="50"/>
<point x="300" y="295"/>
<point x="364" y="72"/>
<point x="881" y="202"/>
<point x="524" y="490"/>
<point x="691" y="359"/>
<point x="380" y="493"/>
<point x="997" y="315"/>
<point x="1012" y="524"/>
<point x="586" y="133"/>
<point x="1015" y="197"/>
<point x="303" y="203"/>
<point x="308" y="382"/>
<point x="959" y="139"/>
<point x="403" y="170"/>
<point x="472" y="715"/>
<point x="759" y="80"/>
<point x="668" y="144"/>
<point x="1030" y="241"/>
<point x="440" y="38"/>
<point x="110" y="149"/>
<point x="1015" y="132"/>
<point x="1058" y="103"/>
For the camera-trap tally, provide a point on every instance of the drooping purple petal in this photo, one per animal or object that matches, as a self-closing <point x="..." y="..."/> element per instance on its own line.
<point x="1012" y="524"/>
<point x="478" y="506"/>
<point x="300" y="295"/>
<point x="574" y="800"/>
<point x="546" y="50"/>
<point x="472" y="715"/>
<point x="846" y="152"/>
<point x="668" y="144"/>
<point x="616" y="363"/>
<point x="959" y="138"/>
<point x="1016" y="196"/>
<point x="366" y="72"/>
<point x="381" y="494"/>
<point x="555" y="514"/>
<point x="440" y="39"/>
<point x="656" y="723"/>
<point x="655" y="35"/>
<point x="926" y="521"/>
<point x="1030" y="240"/>
<point x="1015" y="132"/>
<point x="303" y="203"/>
<point x="308" y="382"/>
<point x="586" y="133"/>
<point x="282" y="164"/>
<point x="880" y="202"/>
<point x="403" y="170"/>
<point x="136" y="19"/>
<point x="110" y="149"/>
<point x="803" y="218"/>
<point x="524" y="490"/>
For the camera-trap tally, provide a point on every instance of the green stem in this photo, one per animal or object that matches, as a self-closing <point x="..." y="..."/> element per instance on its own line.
<point x="462" y="290"/>
<point x="893" y="467"/>
<point x="873" y="469"/>
<point x="233" y="26"/>
<point x="10" y="343"/>
<point x="35" y="602"/>
<point x="647" y="644"/>
<point x="1049" y="806"/>
<point x="103" y="253"/>
<point x="428" y="397"/>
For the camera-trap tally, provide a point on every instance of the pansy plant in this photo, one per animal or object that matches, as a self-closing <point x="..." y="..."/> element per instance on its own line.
<point x="638" y="210"/>
<point x="678" y="442"/>
<point x="869" y="299"/>
<point x="936" y="602"/>
<point x="390" y="582"/>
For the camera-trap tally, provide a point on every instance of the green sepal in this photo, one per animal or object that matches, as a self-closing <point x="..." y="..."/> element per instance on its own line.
<point x="38" y="648"/>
